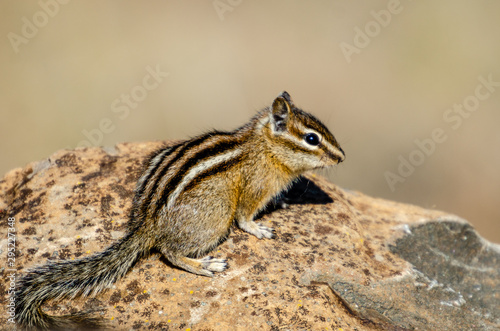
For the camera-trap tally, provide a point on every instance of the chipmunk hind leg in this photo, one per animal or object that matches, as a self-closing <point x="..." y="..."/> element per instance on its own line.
<point x="205" y="266"/>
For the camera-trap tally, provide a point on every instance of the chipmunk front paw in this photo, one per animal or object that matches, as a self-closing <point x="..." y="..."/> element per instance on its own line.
<point x="258" y="230"/>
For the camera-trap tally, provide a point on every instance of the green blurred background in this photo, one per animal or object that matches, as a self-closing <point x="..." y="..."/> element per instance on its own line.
<point x="380" y="74"/>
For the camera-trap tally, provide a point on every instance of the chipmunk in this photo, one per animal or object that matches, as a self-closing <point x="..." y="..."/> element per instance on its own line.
<point x="185" y="202"/>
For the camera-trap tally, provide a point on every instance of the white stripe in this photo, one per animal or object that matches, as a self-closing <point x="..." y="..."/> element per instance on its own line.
<point x="152" y="164"/>
<point x="300" y="140"/>
<point x="211" y="162"/>
<point x="262" y="121"/>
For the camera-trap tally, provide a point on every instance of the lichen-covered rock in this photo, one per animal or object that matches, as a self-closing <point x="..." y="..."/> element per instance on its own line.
<point x="340" y="259"/>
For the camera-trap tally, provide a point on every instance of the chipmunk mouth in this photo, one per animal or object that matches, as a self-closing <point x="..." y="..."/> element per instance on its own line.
<point x="329" y="161"/>
<point x="336" y="157"/>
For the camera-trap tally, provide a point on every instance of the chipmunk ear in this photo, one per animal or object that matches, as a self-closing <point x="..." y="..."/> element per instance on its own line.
<point x="287" y="97"/>
<point x="280" y="111"/>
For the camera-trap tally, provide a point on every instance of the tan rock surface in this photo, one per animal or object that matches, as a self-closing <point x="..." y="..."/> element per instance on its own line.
<point x="339" y="261"/>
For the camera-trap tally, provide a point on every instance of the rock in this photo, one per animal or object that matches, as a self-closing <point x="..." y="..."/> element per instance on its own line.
<point x="340" y="260"/>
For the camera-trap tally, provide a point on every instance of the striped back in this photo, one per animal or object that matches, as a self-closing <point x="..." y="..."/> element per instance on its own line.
<point x="293" y="139"/>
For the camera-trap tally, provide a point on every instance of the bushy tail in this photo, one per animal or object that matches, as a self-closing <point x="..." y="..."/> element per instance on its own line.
<point x="69" y="279"/>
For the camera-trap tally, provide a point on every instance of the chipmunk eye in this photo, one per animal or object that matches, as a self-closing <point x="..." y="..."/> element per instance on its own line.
<point x="312" y="139"/>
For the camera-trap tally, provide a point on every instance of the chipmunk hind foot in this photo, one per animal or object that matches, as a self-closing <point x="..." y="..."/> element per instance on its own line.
<point x="205" y="266"/>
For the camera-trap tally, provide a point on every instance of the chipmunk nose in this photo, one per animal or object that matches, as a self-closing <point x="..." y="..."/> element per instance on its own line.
<point x="342" y="157"/>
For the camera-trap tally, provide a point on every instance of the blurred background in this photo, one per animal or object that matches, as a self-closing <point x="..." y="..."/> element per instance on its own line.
<point x="411" y="89"/>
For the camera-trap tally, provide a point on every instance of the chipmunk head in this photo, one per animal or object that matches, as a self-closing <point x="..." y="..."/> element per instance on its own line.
<point x="300" y="141"/>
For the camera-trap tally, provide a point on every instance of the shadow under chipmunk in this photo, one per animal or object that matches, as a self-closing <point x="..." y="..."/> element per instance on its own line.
<point x="302" y="192"/>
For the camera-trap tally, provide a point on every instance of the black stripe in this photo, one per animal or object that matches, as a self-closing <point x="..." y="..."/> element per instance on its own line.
<point x="147" y="201"/>
<point x="295" y="146"/>
<point x="185" y="146"/>
<point x="312" y="122"/>
<point x="198" y="157"/>
<point x="147" y="165"/>
<point x="221" y="167"/>
<point x="330" y="154"/>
